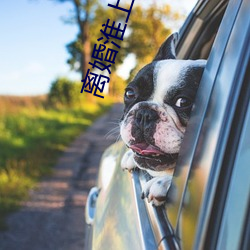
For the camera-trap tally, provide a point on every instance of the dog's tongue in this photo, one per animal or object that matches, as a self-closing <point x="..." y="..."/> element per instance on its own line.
<point x="145" y="149"/>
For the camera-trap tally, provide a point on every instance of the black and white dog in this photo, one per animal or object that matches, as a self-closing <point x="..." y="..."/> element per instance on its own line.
<point x="158" y="102"/>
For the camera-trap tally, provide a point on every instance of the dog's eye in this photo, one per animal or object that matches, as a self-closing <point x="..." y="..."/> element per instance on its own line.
<point x="130" y="94"/>
<point x="183" y="102"/>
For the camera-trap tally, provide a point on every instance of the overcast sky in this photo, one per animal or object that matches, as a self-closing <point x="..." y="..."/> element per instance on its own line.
<point x="32" y="44"/>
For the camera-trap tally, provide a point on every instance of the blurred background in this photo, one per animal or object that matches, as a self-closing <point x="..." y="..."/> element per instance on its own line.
<point x="45" y="48"/>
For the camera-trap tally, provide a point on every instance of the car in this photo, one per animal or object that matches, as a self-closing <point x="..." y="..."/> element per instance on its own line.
<point x="208" y="203"/>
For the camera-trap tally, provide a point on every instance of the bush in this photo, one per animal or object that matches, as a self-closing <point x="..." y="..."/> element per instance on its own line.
<point x="65" y="92"/>
<point x="31" y="139"/>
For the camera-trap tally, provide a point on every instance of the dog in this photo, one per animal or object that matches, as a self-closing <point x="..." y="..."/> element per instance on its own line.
<point x="158" y="102"/>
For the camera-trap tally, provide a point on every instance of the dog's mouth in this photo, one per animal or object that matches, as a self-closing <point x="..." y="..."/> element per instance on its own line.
<point x="149" y="152"/>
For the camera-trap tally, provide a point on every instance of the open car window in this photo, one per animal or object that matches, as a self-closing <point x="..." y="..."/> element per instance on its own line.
<point x="196" y="41"/>
<point x="199" y="31"/>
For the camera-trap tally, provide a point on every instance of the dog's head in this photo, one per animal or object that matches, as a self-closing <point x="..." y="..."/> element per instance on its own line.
<point x="158" y="102"/>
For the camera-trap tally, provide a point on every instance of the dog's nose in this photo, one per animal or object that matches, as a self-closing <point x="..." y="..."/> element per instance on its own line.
<point x="145" y="117"/>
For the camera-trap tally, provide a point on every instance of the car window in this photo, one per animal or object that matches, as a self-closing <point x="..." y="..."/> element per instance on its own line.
<point x="198" y="33"/>
<point x="165" y="224"/>
<point x="192" y="132"/>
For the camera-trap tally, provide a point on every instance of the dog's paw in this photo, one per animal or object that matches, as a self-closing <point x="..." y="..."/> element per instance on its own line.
<point x="127" y="162"/>
<point x="156" y="189"/>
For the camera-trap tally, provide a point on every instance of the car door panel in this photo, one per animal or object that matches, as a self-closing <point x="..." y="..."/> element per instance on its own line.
<point x="120" y="220"/>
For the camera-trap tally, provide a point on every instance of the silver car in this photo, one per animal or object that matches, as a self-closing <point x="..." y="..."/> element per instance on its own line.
<point x="208" y="203"/>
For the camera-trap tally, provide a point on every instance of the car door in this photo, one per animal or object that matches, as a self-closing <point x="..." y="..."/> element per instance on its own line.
<point x="122" y="220"/>
<point x="209" y="179"/>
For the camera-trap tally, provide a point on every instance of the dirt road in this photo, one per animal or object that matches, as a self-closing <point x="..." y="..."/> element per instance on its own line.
<point x="53" y="218"/>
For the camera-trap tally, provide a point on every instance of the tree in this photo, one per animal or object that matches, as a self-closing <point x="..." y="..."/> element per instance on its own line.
<point x="146" y="32"/>
<point x="101" y="14"/>
<point x="64" y="93"/>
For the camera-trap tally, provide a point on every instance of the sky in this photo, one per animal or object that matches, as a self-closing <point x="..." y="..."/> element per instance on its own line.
<point x="32" y="44"/>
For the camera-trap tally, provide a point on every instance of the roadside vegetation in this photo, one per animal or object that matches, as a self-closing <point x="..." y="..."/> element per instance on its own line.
<point x="34" y="131"/>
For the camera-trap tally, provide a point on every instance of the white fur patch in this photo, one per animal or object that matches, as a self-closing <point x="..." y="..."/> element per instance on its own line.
<point x="128" y="161"/>
<point x="125" y="131"/>
<point x="167" y="138"/>
<point x="157" y="188"/>
<point x="168" y="74"/>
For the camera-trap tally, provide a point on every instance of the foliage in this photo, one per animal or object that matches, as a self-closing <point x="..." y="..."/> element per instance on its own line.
<point x="147" y="33"/>
<point x="101" y="15"/>
<point x="118" y="86"/>
<point x="31" y="139"/>
<point x="64" y="92"/>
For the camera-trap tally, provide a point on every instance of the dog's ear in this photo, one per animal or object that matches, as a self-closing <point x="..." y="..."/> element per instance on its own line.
<point x="167" y="49"/>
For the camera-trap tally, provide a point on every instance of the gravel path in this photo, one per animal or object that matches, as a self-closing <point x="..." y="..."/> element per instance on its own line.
<point x="53" y="218"/>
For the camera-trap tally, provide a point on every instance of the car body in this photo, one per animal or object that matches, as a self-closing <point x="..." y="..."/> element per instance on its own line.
<point x="209" y="198"/>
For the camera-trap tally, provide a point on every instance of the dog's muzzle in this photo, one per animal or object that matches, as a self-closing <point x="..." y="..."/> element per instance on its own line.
<point x="145" y="118"/>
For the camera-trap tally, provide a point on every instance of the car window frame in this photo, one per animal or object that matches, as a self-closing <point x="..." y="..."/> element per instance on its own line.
<point x="233" y="173"/>
<point x="239" y="109"/>
<point x="210" y="74"/>
<point x="162" y="227"/>
<point x="213" y="182"/>
<point x="197" y="116"/>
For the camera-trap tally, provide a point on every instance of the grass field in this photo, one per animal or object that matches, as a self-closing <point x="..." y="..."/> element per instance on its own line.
<point x="31" y="139"/>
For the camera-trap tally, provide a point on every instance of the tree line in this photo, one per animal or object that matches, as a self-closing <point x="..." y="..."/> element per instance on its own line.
<point x="147" y="29"/>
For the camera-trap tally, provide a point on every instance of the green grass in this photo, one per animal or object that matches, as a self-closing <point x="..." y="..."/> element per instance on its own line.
<point x="31" y="139"/>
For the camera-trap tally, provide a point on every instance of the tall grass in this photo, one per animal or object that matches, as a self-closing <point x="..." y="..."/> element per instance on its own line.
<point x="31" y="139"/>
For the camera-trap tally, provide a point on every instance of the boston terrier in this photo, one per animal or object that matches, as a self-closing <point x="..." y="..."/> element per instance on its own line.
<point x="158" y="102"/>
